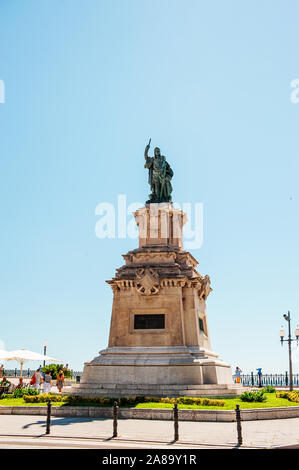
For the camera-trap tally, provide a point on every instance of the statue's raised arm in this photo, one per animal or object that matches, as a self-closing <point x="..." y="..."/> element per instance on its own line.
<point x="147" y="149"/>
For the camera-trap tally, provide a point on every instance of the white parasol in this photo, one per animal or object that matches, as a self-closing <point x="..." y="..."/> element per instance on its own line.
<point x="23" y="355"/>
<point x="3" y="354"/>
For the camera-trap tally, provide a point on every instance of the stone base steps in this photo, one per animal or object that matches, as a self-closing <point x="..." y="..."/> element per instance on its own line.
<point x="128" y="390"/>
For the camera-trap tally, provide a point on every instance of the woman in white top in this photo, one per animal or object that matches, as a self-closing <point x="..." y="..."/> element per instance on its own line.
<point x="47" y="383"/>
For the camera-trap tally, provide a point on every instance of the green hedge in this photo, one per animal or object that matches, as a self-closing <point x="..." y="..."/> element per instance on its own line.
<point x="291" y="396"/>
<point x="268" y="389"/>
<point x="44" y="397"/>
<point x="123" y="401"/>
<point x="193" y="401"/>
<point x="6" y="395"/>
<point x="20" y="392"/>
<point x="253" y="396"/>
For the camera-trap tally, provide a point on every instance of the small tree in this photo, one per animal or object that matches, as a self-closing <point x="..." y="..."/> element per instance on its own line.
<point x="54" y="369"/>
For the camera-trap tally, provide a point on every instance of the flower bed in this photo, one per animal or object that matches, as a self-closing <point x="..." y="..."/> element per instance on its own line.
<point x="291" y="396"/>
<point x="123" y="401"/>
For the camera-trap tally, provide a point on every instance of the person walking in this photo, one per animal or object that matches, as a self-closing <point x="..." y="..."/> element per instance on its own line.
<point x="259" y="373"/>
<point x="1" y="370"/>
<point x="238" y="374"/>
<point x="60" y="380"/>
<point x="47" y="382"/>
<point x="21" y="383"/>
<point x="36" y="379"/>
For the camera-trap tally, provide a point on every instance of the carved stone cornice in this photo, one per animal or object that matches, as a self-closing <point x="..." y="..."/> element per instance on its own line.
<point x="167" y="261"/>
<point x="148" y="282"/>
<point x="151" y="257"/>
<point x="150" y="269"/>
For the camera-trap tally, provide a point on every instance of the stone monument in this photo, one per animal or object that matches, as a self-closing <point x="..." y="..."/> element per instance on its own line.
<point x="159" y="342"/>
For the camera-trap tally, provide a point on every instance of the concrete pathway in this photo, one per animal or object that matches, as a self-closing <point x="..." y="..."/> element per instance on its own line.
<point x="145" y="433"/>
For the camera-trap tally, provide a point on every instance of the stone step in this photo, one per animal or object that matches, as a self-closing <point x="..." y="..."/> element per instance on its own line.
<point x="166" y="393"/>
<point x="105" y="392"/>
<point x="154" y="387"/>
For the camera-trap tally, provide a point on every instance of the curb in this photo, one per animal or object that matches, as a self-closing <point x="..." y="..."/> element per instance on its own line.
<point x="155" y="414"/>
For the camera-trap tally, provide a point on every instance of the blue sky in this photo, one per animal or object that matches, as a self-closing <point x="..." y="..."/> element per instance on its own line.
<point x="86" y="85"/>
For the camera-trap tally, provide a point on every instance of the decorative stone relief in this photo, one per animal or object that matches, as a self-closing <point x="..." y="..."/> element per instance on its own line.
<point x="147" y="281"/>
<point x="161" y="257"/>
<point x="205" y="288"/>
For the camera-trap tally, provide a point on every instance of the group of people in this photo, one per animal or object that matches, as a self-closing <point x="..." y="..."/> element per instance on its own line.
<point x="37" y="379"/>
<point x="238" y="373"/>
<point x="46" y="379"/>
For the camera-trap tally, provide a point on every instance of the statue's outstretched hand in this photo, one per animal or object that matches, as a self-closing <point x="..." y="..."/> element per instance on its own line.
<point x="147" y="147"/>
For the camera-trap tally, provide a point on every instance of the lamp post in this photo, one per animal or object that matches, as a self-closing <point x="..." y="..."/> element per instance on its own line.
<point x="289" y="341"/>
<point x="45" y="350"/>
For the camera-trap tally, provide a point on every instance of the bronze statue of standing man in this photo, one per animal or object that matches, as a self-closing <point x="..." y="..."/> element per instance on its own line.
<point x="159" y="176"/>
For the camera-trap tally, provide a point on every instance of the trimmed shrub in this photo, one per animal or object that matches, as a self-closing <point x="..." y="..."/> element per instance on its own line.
<point x="122" y="401"/>
<point x="20" y="392"/>
<point x="75" y="399"/>
<point x="150" y="400"/>
<point x="200" y="401"/>
<point x="291" y="396"/>
<point x="43" y="398"/>
<point x="253" y="396"/>
<point x="187" y="401"/>
<point x="167" y="400"/>
<point x="268" y="389"/>
<point x="282" y="394"/>
<point x="6" y="395"/>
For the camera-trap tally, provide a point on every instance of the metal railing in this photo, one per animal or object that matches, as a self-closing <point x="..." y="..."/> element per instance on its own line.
<point x="30" y="372"/>
<point x="275" y="380"/>
<point x="246" y="379"/>
<point x="175" y="418"/>
<point x="16" y="372"/>
<point x="76" y="374"/>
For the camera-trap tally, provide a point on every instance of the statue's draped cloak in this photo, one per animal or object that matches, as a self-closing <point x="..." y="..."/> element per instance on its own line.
<point x="149" y="164"/>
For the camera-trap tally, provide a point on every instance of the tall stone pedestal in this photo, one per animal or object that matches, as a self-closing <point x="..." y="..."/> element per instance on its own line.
<point x="159" y="341"/>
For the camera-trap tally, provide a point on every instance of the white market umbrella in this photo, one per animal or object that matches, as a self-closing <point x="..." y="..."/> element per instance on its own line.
<point x="23" y="355"/>
<point x="3" y="354"/>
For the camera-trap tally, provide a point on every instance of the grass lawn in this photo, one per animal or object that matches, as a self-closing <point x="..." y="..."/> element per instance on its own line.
<point x="230" y="404"/>
<point x="18" y="402"/>
<point x="21" y="402"/>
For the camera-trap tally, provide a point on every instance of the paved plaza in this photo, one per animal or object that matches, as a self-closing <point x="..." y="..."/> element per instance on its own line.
<point x="27" y="431"/>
